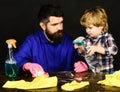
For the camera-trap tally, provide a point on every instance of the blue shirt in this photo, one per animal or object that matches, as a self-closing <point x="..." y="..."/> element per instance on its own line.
<point x="52" y="57"/>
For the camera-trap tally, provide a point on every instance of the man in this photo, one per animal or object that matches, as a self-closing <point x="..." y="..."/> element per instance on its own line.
<point x="50" y="49"/>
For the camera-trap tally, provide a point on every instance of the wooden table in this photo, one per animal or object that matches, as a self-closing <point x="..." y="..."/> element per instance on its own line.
<point x="64" y="77"/>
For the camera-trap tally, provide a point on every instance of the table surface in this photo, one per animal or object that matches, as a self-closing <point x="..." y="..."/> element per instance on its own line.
<point x="64" y="77"/>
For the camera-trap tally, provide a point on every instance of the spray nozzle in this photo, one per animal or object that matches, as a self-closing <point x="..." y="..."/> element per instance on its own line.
<point x="79" y="41"/>
<point x="11" y="42"/>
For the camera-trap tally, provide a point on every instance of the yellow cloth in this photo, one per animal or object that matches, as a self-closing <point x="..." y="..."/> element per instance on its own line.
<point x="111" y="79"/>
<point x="74" y="85"/>
<point x="52" y="89"/>
<point x="38" y="82"/>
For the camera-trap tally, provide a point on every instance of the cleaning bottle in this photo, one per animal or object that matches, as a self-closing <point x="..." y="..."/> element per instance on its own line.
<point x="81" y="41"/>
<point x="11" y="68"/>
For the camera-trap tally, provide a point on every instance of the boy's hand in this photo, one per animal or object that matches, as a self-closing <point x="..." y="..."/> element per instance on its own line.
<point x="92" y="49"/>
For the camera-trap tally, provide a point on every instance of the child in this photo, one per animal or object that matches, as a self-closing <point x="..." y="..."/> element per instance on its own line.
<point x="99" y="43"/>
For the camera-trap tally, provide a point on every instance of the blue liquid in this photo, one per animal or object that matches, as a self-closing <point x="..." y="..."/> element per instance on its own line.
<point x="11" y="70"/>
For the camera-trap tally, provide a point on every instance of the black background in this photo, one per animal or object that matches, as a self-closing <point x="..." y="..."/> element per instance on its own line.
<point x="18" y="19"/>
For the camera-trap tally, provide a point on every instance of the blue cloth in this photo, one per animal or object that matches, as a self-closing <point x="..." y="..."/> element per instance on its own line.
<point x="52" y="57"/>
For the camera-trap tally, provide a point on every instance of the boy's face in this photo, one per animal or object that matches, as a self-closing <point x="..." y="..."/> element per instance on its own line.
<point x="94" y="31"/>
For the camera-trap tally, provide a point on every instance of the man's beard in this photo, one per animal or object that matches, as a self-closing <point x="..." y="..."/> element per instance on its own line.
<point x="55" y="37"/>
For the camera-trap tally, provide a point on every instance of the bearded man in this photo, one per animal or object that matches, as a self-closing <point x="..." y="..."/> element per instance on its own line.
<point x="50" y="49"/>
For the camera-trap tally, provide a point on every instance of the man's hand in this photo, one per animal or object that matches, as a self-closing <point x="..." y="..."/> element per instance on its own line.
<point x="80" y="66"/>
<point x="35" y="69"/>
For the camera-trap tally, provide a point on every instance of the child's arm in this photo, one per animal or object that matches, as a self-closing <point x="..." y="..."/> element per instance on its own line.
<point x="110" y="49"/>
<point x="92" y="49"/>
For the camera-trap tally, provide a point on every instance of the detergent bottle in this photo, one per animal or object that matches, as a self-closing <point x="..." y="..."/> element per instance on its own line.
<point x="11" y="68"/>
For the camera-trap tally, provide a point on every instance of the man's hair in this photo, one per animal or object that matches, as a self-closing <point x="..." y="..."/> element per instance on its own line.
<point x="95" y="16"/>
<point x="49" y="10"/>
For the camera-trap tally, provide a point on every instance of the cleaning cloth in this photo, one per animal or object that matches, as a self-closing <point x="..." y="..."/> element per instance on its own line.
<point x="111" y="79"/>
<point x="74" y="85"/>
<point x="38" y="82"/>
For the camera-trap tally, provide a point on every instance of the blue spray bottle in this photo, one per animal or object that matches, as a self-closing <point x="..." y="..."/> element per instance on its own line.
<point x="11" y="68"/>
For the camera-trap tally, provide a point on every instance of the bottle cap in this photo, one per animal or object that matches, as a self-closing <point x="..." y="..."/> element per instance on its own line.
<point x="9" y="45"/>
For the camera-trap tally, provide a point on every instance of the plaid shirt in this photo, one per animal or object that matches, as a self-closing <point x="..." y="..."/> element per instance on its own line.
<point x="105" y="62"/>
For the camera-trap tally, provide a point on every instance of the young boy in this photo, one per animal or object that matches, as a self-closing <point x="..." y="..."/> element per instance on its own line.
<point x="99" y="43"/>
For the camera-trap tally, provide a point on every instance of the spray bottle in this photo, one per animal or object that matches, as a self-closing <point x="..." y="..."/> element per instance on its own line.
<point x="81" y="41"/>
<point x="11" y="68"/>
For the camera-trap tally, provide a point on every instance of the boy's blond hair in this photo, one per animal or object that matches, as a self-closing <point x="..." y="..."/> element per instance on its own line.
<point x="95" y="16"/>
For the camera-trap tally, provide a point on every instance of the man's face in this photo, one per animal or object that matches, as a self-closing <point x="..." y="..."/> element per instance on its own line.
<point x="54" y="29"/>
